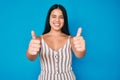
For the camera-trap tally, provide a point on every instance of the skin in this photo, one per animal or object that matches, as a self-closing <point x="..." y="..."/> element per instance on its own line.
<point x="55" y="36"/>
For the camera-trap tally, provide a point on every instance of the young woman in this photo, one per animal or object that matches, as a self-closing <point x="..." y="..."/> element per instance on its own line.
<point x="55" y="46"/>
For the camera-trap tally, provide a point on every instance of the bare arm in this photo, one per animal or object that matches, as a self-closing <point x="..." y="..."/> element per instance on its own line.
<point x="31" y="57"/>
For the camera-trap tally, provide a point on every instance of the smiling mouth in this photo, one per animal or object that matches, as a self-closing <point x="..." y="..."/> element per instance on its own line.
<point x="56" y="24"/>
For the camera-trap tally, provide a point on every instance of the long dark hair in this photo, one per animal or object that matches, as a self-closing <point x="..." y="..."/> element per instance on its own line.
<point x="65" y="26"/>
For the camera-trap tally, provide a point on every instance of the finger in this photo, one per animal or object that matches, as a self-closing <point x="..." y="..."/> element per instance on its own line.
<point x="77" y="38"/>
<point x="33" y="34"/>
<point x="35" y="46"/>
<point x="79" y="49"/>
<point x="79" y="31"/>
<point x="35" y="41"/>
<point x="35" y="49"/>
<point x="33" y="53"/>
<point x="77" y="42"/>
<point x="78" y="46"/>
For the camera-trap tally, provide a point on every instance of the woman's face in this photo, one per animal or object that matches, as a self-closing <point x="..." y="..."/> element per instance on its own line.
<point x="56" y="19"/>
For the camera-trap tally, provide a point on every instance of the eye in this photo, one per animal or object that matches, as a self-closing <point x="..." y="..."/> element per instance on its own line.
<point x="53" y="16"/>
<point x="61" y="17"/>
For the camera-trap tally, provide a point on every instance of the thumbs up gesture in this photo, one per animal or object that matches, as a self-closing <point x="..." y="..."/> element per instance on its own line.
<point x="34" y="45"/>
<point x="78" y="41"/>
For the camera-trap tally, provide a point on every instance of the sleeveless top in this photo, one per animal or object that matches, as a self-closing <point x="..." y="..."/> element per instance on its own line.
<point x="56" y="65"/>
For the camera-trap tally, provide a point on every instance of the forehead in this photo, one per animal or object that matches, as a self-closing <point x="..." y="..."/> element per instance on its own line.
<point x="56" y="11"/>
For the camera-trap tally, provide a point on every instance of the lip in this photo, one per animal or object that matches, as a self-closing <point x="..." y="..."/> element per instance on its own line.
<point x="56" y="24"/>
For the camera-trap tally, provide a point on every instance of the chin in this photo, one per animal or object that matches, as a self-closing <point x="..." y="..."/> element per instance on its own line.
<point x="57" y="27"/>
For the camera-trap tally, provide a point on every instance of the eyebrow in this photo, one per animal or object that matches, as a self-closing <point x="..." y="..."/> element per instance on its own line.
<point x="55" y="15"/>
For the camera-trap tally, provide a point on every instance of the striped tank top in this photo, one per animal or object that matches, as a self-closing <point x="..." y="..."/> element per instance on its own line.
<point x="56" y="65"/>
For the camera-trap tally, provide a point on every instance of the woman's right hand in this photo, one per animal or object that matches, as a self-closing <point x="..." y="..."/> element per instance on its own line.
<point x="34" y="45"/>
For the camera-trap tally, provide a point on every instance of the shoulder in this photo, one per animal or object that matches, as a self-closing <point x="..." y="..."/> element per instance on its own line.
<point x="65" y="36"/>
<point x="44" y="36"/>
<point x="71" y="38"/>
<point x="39" y="37"/>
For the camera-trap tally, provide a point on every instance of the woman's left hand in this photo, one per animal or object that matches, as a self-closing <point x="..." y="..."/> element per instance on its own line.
<point x="79" y="42"/>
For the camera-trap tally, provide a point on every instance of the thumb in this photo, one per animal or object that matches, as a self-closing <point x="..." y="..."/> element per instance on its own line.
<point x="79" y="32"/>
<point x="33" y="34"/>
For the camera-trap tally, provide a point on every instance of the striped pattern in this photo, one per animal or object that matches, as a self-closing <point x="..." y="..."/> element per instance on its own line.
<point x="56" y="65"/>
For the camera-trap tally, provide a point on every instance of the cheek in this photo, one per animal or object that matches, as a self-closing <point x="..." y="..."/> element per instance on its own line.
<point x="50" y="21"/>
<point x="62" y="21"/>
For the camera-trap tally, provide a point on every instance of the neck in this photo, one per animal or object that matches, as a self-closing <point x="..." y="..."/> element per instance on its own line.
<point x="55" y="33"/>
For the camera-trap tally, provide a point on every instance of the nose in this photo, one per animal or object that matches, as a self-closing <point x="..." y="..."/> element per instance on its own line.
<point x="57" y="19"/>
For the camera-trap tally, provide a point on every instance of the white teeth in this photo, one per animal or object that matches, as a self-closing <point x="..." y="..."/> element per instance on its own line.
<point x="56" y="24"/>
